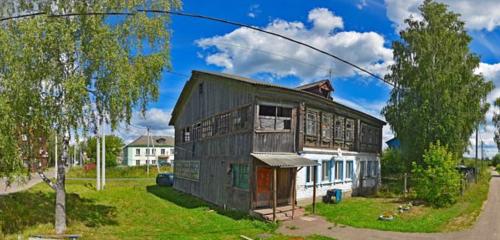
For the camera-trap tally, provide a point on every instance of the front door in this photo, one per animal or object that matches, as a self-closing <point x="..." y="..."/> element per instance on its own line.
<point x="264" y="187"/>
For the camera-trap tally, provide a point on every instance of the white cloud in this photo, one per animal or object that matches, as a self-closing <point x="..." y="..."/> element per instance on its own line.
<point x="362" y="4"/>
<point x="477" y="15"/>
<point x="254" y="11"/>
<point x="156" y="119"/>
<point x="246" y="52"/>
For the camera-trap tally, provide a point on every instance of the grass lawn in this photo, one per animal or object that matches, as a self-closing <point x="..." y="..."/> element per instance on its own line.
<point x="119" y="172"/>
<point x="363" y="212"/>
<point x="131" y="209"/>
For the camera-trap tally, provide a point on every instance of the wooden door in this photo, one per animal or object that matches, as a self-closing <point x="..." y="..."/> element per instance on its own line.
<point x="264" y="187"/>
<point x="284" y="186"/>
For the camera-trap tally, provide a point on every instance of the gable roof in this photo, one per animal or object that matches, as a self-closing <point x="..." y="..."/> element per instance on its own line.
<point x="189" y="84"/>
<point x="158" y="141"/>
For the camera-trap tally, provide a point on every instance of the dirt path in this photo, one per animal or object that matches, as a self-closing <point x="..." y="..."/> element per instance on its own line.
<point x="486" y="228"/>
<point x="21" y="186"/>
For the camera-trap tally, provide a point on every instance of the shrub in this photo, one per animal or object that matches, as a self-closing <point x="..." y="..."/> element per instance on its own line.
<point x="496" y="160"/>
<point x="437" y="180"/>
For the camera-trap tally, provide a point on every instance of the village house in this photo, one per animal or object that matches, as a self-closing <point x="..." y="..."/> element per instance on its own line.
<point x="250" y="145"/>
<point x="142" y="152"/>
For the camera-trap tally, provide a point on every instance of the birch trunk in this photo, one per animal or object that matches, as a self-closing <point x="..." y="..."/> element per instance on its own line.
<point x="60" y="215"/>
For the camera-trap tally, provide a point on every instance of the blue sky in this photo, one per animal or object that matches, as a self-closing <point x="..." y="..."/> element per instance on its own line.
<point x="359" y="31"/>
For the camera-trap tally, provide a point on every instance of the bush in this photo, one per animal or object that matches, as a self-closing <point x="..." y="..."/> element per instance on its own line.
<point x="496" y="160"/>
<point x="438" y="182"/>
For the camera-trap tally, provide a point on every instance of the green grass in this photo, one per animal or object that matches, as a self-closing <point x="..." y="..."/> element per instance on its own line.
<point x="131" y="209"/>
<point x="119" y="172"/>
<point x="363" y="212"/>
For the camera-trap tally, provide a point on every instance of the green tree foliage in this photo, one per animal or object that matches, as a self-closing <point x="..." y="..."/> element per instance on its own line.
<point x="10" y="160"/>
<point x="436" y="95"/>
<point x="495" y="160"/>
<point x="114" y="146"/>
<point x="437" y="182"/>
<point x="392" y="163"/>
<point x="70" y="73"/>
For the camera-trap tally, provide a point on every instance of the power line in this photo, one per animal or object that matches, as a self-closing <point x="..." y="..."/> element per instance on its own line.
<point x="267" y="32"/>
<point x="184" y="14"/>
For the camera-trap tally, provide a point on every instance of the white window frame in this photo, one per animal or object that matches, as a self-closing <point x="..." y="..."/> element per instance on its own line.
<point x="138" y="152"/>
<point x="311" y="176"/>
<point x="336" y="162"/>
<point x="347" y="170"/>
<point x="326" y="166"/>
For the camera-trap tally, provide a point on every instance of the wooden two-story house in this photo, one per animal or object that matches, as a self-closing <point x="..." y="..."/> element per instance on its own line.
<point x="245" y="144"/>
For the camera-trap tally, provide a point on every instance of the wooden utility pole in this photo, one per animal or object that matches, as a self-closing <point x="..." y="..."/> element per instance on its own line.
<point x="148" y="151"/>
<point x="477" y="140"/>
<point x="275" y="200"/>
<point x="315" y="168"/>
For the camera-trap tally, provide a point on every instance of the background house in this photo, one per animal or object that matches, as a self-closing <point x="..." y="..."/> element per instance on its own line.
<point x="137" y="153"/>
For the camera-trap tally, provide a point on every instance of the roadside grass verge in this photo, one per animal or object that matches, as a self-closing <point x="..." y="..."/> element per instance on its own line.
<point x="119" y="172"/>
<point x="132" y="209"/>
<point x="363" y="212"/>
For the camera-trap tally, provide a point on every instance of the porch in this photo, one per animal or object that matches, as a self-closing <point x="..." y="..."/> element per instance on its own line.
<point x="274" y="195"/>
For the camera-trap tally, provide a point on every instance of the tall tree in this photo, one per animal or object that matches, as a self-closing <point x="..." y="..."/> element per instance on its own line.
<point x="496" y="122"/>
<point x="71" y="73"/>
<point x="436" y="95"/>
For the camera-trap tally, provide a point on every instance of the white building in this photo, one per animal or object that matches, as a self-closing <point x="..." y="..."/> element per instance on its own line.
<point x="141" y="151"/>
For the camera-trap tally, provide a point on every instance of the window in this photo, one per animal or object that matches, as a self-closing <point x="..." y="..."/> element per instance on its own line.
<point x="240" y="175"/>
<point x="200" y="88"/>
<point x="186" y="135"/>
<point x="138" y="152"/>
<point x="154" y="152"/>
<point x="153" y="161"/>
<point x="275" y="118"/>
<point x="207" y="128"/>
<point x="171" y="151"/>
<point x="326" y="127"/>
<point x="339" y="170"/>
<point x="372" y="169"/>
<point x="240" y="119"/>
<point x="309" y="174"/>
<point x="349" y="130"/>
<point x="137" y="162"/>
<point x="339" y="128"/>
<point x="197" y="132"/>
<point x="222" y="123"/>
<point x="312" y="123"/>
<point x="147" y="151"/>
<point x="349" y="169"/>
<point x="362" y="169"/>
<point x="326" y="170"/>
<point x="162" y="151"/>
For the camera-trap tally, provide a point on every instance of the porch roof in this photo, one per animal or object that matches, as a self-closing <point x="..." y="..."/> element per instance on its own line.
<point x="284" y="160"/>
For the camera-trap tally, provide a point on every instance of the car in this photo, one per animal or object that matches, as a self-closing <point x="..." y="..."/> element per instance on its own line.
<point x="165" y="179"/>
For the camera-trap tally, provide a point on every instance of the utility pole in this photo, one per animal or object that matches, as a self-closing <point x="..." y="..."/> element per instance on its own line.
<point x="477" y="140"/>
<point x="55" y="157"/>
<point x="103" y="155"/>
<point x="98" y="162"/>
<point x="148" y="151"/>
<point x="155" y="156"/>
<point x="482" y="153"/>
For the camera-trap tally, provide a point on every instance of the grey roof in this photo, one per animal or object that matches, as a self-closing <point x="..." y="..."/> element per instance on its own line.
<point x="188" y="85"/>
<point x="284" y="160"/>
<point x="159" y="141"/>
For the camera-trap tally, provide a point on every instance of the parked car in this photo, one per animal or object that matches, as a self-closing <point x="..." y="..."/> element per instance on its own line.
<point x="165" y="179"/>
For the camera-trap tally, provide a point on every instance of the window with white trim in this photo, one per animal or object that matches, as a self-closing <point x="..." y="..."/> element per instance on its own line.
<point x="339" y="170"/>
<point x="326" y="170"/>
<point x="137" y="152"/>
<point x="309" y="174"/>
<point x="349" y="169"/>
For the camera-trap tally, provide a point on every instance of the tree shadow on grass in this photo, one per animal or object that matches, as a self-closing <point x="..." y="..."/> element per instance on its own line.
<point x="21" y="210"/>
<point x="188" y="201"/>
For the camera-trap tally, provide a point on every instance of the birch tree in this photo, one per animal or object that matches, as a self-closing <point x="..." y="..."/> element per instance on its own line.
<point x="70" y="73"/>
<point x="436" y="96"/>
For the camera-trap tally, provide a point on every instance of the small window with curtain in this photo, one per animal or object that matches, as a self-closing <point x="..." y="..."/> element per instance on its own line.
<point x="339" y="170"/>
<point x="326" y="171"/>
<point x="240" y="175"/>
<point x="349" y="170"/>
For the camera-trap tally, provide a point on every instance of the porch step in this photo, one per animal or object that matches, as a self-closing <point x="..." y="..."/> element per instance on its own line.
<point x="283" y="213"/>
